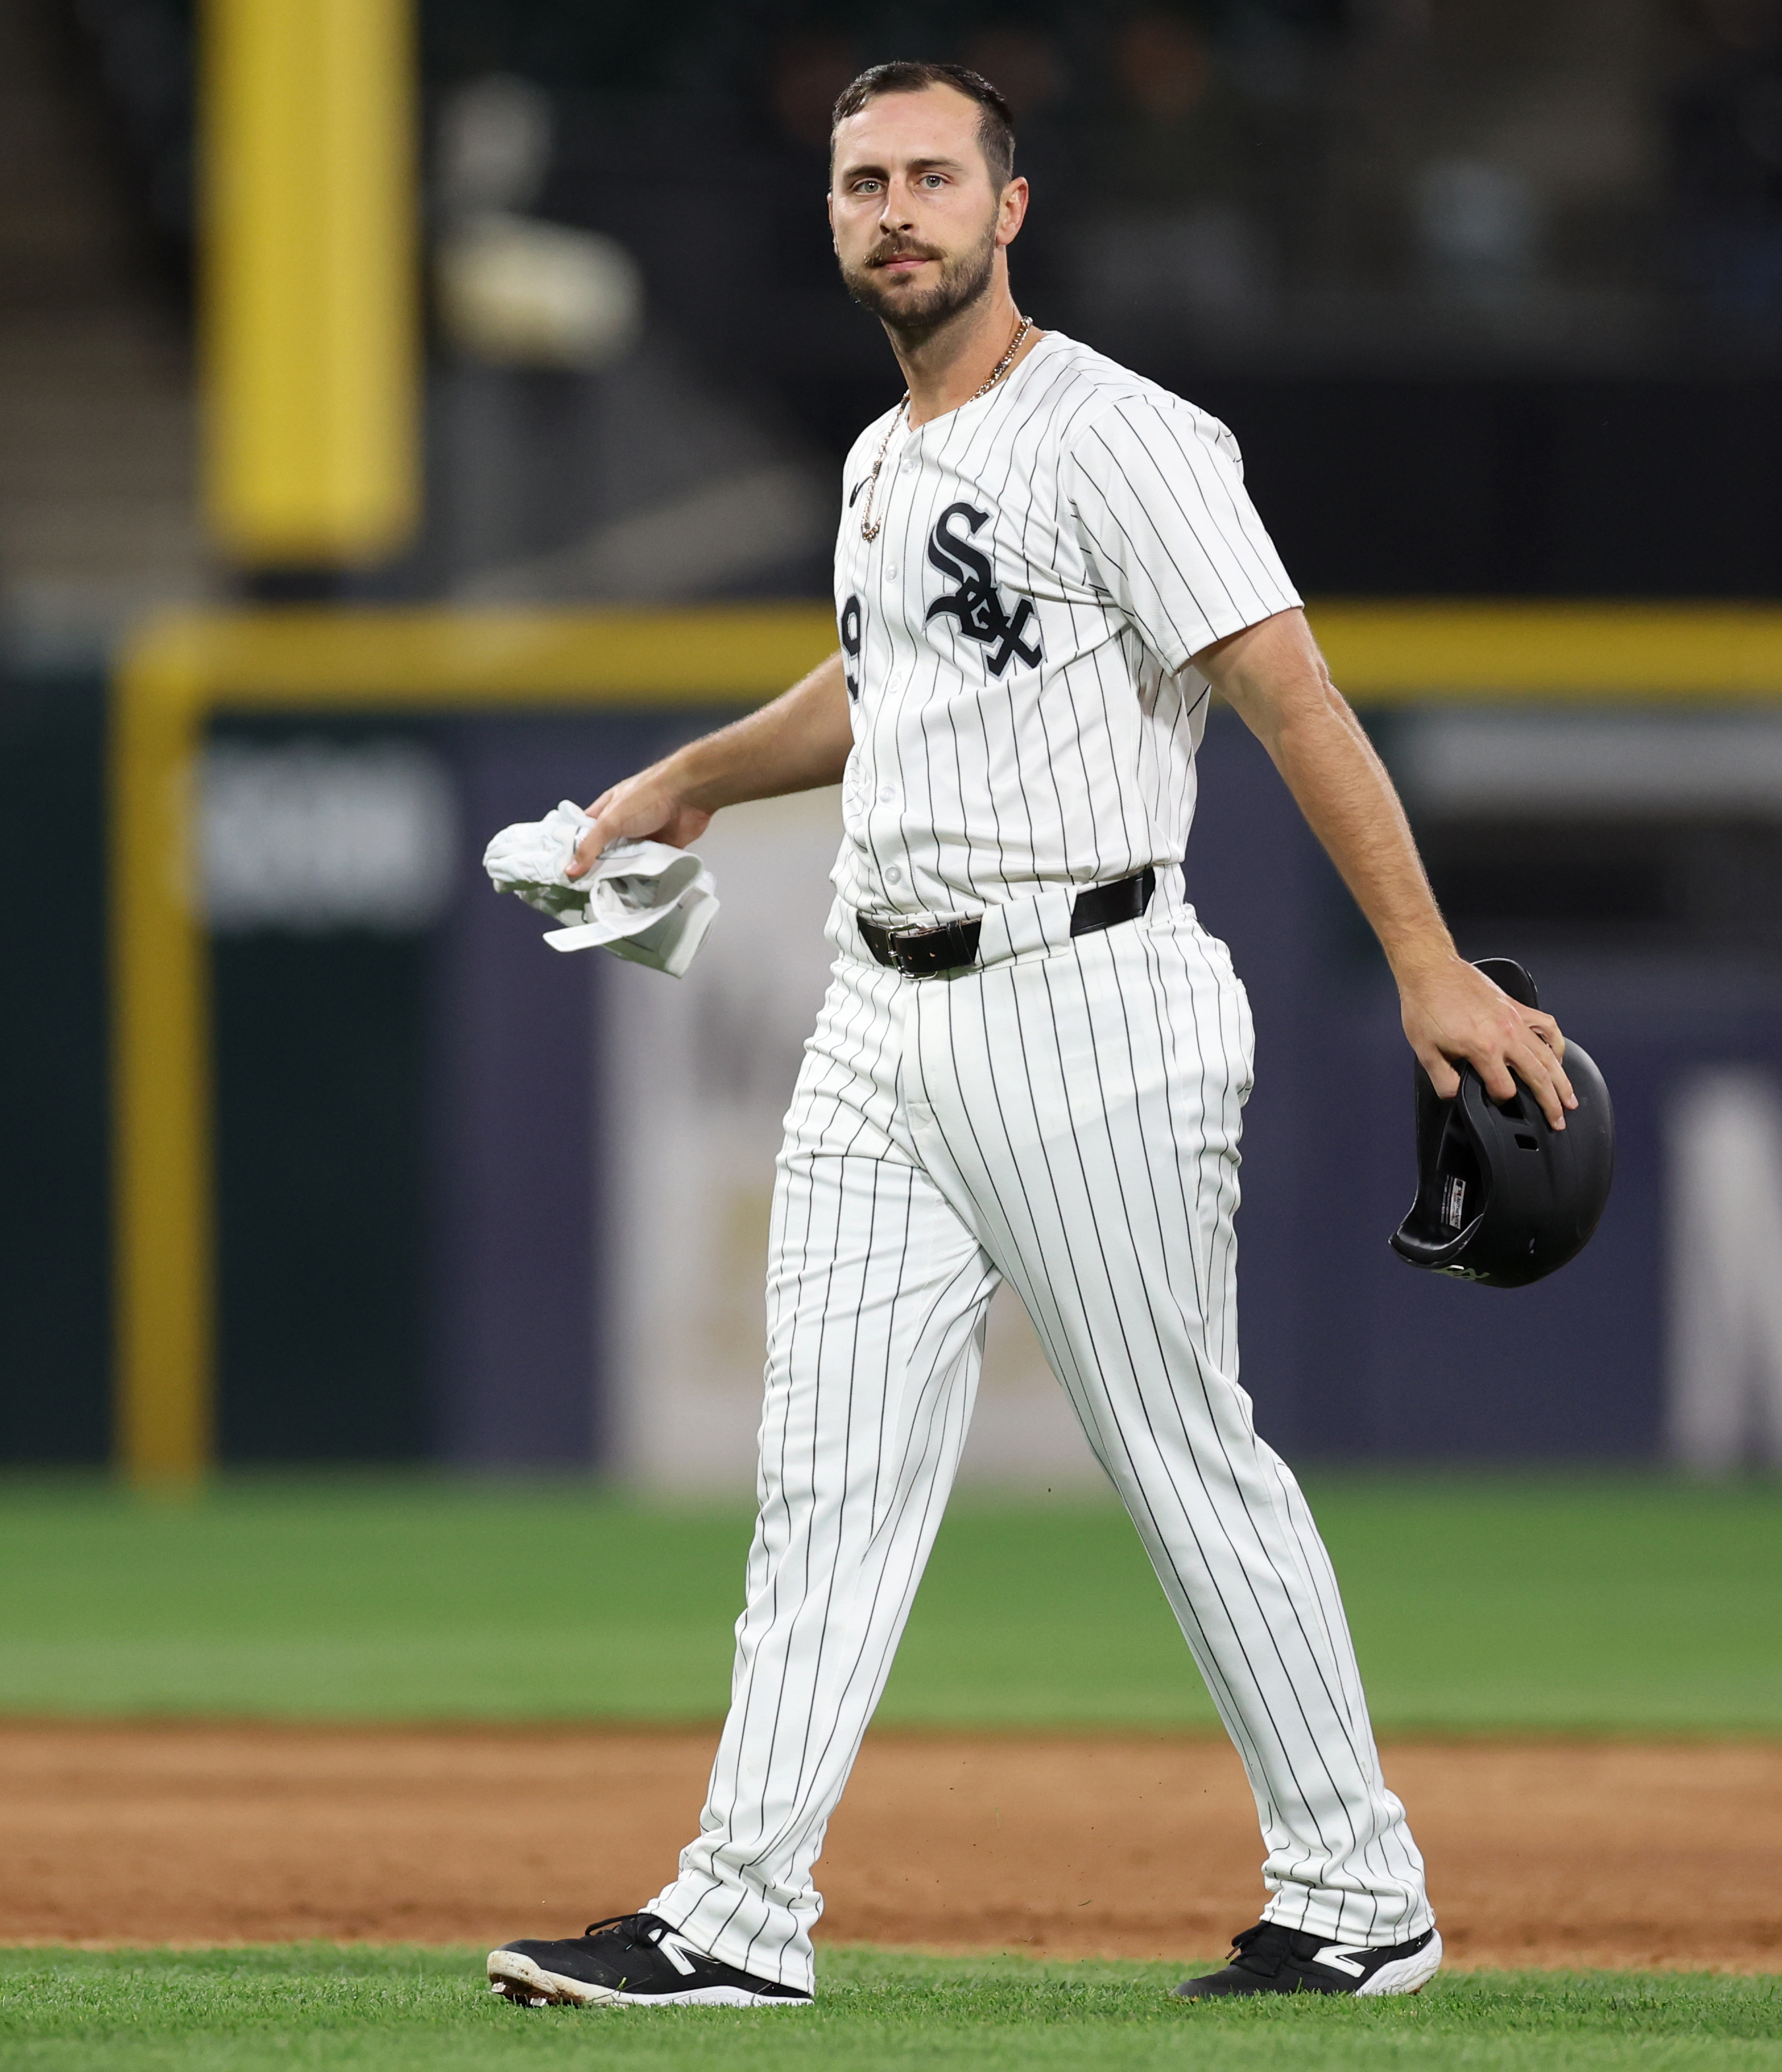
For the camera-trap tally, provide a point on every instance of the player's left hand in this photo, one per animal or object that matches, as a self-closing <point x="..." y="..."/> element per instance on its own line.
<point x="1453" y="1011"/>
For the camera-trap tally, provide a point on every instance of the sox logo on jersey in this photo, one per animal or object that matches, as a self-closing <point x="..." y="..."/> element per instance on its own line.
<point x="1063" y="1115"/>
<point x="977" y="604"/>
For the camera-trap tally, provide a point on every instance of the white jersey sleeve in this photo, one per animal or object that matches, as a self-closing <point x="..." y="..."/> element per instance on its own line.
<point x="1156" y="489"/>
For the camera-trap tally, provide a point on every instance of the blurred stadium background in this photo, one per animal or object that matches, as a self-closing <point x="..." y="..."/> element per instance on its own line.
<point x="367" y="369"/>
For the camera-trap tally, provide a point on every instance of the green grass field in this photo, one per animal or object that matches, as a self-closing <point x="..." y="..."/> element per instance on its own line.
<point x="396" y="2010"/>
<point x="1519" y="1602"/>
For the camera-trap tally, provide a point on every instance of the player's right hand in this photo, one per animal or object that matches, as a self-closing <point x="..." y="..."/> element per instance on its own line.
<point x="646" y="808"/>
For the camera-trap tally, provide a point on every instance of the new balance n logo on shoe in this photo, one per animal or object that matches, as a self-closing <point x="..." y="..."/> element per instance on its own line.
<point x="1341" y="1956"/>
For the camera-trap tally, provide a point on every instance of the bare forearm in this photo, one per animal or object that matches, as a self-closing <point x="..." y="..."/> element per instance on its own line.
<point x="1274" y="676"/>
<point x="798" y="743"/>
<point x="1343" y="789"/>
<point x="1276" y="680"/>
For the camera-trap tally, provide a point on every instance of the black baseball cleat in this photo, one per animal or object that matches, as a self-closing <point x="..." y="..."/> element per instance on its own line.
<point x="632" y="1960"/>
<point x="1268" y="1960"/>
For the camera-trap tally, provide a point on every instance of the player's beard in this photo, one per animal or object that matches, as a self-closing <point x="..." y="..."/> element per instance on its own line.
<point x="917" y="315"/>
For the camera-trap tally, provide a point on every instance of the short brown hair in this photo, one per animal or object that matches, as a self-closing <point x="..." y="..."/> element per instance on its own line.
<point x="995" y="120"/>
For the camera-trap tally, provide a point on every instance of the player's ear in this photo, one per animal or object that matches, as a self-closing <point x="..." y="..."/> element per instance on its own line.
<point x="1012" y="211"/>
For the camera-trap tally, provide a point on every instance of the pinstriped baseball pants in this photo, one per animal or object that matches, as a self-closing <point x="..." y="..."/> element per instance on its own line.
<point x="1065" y="1117"/>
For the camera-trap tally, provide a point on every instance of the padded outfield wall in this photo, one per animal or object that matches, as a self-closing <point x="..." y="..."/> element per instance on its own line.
<point x="448" y="1194"/>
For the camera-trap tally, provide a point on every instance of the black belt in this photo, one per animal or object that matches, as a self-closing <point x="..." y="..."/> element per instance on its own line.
<point x="926" y="952"/>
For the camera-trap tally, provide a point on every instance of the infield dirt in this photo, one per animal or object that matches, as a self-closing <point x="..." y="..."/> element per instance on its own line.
<point x="1552" y="1853"/>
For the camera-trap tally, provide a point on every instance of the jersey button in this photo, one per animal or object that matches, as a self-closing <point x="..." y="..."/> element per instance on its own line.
<point x="894" y="874"/>
<point x="891" y="570"/>
<point x="887" y="795"/>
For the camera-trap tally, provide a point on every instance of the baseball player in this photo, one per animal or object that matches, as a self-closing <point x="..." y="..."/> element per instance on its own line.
<point x="1030" y="1066"/>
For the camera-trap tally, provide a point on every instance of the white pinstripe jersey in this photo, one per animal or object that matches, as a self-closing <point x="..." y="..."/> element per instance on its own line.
<point x="1017" y="638"/>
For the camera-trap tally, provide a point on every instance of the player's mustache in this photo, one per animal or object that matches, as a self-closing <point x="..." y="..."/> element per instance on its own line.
<point x="881" y="255"/>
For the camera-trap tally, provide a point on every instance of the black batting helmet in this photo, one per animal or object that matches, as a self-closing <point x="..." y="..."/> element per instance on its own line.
<point x="1500" y="1197"/>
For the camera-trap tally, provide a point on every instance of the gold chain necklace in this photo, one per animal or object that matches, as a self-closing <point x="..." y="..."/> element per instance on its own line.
<point x="868" y="529"/>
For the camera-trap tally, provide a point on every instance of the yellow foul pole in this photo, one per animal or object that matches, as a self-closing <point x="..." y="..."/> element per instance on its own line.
<point x="309" y="287"/>
<point x="161" y="1081"/>
<point x="310" y="345"/>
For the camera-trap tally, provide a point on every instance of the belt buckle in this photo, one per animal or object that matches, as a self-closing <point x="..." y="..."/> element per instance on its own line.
<point x="927" y="953"/>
